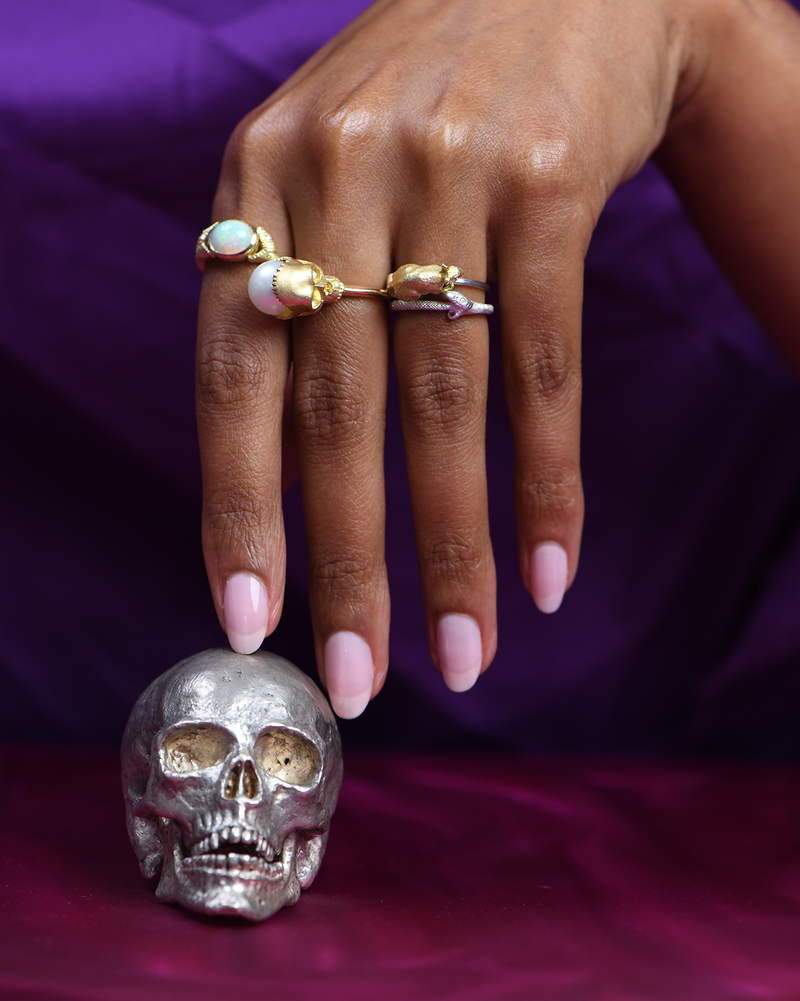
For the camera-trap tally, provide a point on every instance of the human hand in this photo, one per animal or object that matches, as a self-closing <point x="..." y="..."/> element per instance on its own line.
<point x="483" y="135"/>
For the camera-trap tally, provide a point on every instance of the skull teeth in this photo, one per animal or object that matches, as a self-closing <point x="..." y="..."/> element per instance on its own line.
<point x="229" y="837"/>
<point x="242" y="866"/>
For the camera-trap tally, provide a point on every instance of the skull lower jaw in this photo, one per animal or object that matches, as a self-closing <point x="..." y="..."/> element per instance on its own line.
<point x="231" y="885"/>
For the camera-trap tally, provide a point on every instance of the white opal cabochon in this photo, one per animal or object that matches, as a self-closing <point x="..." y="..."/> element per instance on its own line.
<point x="231" y="238"/>
<point x="261" y="290"/>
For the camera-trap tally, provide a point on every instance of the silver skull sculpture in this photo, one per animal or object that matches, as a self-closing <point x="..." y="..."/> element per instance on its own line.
<point x="231" y="767"/>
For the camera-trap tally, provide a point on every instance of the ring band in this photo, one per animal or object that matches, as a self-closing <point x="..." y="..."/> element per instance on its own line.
<point x="288" y="287"/>
<point x="457" y="305"/>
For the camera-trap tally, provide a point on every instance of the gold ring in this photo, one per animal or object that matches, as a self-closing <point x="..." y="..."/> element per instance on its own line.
<point x="234" y="240"/>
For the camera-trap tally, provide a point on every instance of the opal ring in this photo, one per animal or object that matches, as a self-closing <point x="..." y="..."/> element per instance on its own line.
<point x="234" y="240"/>
<point x="287" y="287"/>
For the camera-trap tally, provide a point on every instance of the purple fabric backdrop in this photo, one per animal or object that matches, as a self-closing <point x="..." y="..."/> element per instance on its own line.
<point x="680" y="634"/>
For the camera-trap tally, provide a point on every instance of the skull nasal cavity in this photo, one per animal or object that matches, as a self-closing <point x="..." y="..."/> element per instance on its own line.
<point x="242" y="780"/>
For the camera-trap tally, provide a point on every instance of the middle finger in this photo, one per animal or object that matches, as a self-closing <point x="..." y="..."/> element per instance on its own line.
<point x="340" y="358"/>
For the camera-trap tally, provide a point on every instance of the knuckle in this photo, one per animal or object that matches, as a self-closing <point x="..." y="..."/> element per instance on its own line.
<point x="553" y="170"/>
<point x="254" y="155"/>
<point x="251" y="139"/>
<point x="329" y="414"/>
<point x="227" y="375"/>
<point x="237" y="517"/>
<point x="549" y="170"/>
<point x="343" y="577"/>
<point x="545" y="496"/>
<point x="343" y="135"/>
<point x="452" y="558"/>
<point x="438" y="400"/>
<point x="444" y="143"/>
<point x="543" y="369"/>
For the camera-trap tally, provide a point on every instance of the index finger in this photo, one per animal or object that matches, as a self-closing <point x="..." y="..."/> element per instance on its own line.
<point x="243" y="361"/>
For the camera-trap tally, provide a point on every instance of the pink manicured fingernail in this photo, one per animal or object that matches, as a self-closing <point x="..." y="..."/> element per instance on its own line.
<point x="349" y="673"/>
<point x="246" y="612"/>
<point x="458" y="640"/>
<point x="548" y="576"/>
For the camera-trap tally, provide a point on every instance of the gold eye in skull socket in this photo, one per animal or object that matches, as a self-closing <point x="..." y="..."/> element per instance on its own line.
<point x="193" y="747"/>
<point x="289" y="757"/>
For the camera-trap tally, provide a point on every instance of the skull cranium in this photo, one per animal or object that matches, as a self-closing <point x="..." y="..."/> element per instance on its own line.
<point x="231" y="770"/>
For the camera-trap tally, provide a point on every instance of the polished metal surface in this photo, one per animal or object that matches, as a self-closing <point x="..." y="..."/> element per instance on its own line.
<point x="231" y="767"/>
<point x="456" y="304"/>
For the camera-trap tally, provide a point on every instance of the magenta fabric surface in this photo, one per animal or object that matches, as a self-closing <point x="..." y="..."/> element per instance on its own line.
<point x="456" y="878"/>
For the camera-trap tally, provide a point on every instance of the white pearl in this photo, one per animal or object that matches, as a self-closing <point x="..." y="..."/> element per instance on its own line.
<point x="260" y="289"/>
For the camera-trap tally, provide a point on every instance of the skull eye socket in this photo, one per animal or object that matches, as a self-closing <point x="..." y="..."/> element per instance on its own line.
<point x="194" y="747"/>
<point x="289" y="757"/>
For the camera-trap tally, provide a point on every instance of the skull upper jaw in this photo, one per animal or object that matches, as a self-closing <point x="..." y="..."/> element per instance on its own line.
<point x="247" y="890"/>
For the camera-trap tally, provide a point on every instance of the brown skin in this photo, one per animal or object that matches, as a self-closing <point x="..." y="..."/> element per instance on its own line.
<point x="487" y="135"/>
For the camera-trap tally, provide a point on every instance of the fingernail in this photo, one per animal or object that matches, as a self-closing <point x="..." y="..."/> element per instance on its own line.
<point x="246" y="612"/>
<point x="349" y="673"/>
<point x="548" y="576"/>
<point x="458" y="640"/>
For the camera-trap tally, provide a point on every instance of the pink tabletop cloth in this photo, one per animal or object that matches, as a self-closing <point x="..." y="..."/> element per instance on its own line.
<point x="457" y="878"/>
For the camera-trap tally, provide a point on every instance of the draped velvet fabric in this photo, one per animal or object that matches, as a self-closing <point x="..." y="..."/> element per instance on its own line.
<point x="447" y="878"/>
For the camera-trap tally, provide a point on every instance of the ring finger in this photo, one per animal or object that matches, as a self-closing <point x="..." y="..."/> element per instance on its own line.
<point x="442" y="369"/>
